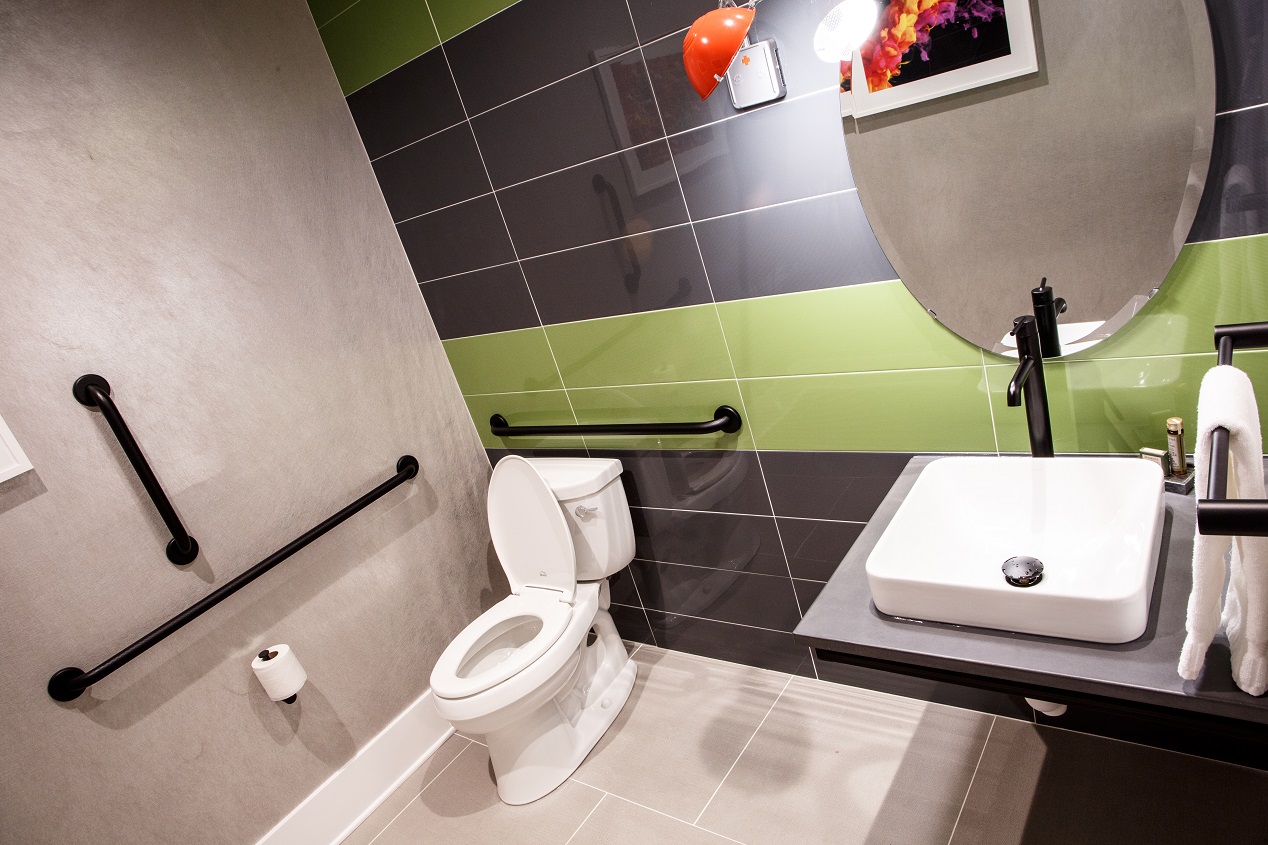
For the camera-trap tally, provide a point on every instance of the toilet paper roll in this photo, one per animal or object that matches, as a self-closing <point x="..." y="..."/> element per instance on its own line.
<point x="281" y="675"/>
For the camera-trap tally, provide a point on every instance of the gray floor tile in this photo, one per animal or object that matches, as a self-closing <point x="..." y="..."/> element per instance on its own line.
<point x="462" y="805"/>
<point x="618" y="822"/>
<point x="686" y="722"/>
<point x="1044" y="786"/>
<point x="840" y="765"/>
<point x="383" y="815"/>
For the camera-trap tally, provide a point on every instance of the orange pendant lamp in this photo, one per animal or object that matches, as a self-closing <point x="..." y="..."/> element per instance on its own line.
<point x="711" y="45"/>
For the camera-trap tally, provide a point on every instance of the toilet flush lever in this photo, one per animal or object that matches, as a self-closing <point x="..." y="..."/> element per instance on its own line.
<point x="582" y="511"/>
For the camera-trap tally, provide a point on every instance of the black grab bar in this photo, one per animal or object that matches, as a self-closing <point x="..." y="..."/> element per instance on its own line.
<point x="94" y="391"/>
<point x="725" y="419"/>
<point x="1216" y="513"/>
<point x="69" y="683"/>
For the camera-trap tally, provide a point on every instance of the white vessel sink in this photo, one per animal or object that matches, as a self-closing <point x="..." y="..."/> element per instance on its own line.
<point x="1094" y="523"/>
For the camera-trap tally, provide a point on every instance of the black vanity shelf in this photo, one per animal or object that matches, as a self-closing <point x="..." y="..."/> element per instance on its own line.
<point x="69" y="683"/>
<point x="1216" y="513"/>
<point x="725" y="419"/>
<point x="94" y="391"/>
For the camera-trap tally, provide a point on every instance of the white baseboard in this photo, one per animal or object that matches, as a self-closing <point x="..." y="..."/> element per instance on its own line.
<point x="349" y="795"/>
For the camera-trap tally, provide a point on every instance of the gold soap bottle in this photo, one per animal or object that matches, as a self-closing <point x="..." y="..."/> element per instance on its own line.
<point x="1175" y="446"/>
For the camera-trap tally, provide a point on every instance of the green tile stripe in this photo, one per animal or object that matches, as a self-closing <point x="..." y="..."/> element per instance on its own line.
<point x="504" y="362"/>
<point x="370" y="38"/>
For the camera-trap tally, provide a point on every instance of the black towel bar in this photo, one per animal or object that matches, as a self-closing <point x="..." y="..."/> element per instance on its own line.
<point x="1216" y="513"/>
<point x="725" y="419"/>
<point x="94" y="391"/>
<point x="69" y="683"/>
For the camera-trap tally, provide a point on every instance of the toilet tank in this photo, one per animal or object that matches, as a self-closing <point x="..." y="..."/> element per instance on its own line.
<point x="598" y="514"/>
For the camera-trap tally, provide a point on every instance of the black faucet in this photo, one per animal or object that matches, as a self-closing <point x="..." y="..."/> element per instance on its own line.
<point x="1046" y="309"/>
<point x="1029" y="377"/>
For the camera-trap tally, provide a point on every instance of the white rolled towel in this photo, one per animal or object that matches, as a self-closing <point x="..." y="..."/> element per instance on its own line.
<point x="1227" y="400"/>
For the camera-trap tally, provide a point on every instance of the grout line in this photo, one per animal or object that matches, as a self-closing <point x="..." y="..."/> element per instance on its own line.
<point x="725" y="622"/>
<point x="696" y="823"/>
<point x="990" y="404"/>
<point x="506" y="226"/>
<point x="653" y="810"/>
<point x="421" y="791"/>
<point x="1233" y="238"/>
<point x="780" y="204"/>
<point x="758" y="515"/>
<point x="416" y="140"/>
<point x="587" y="68"/>
<point x="716" y="569"/>
<point x="446" y="208"/>
<point x="973" y="777"/>
<point x="468" y="273"/>
<point x="1241" y="109"/>
<point x="621" y="151"/>
<point x="337" y="14"/>
<point x="589" y="814"/>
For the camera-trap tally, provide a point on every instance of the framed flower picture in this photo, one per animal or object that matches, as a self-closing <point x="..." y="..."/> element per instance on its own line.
<point x="925" y="49"/>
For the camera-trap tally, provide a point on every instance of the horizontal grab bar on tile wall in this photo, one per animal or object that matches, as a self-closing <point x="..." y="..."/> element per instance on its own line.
<point x="725" y="419"/>
<point x="1216" y="513"/>
<point x="69" y="683"/>
<point x="94" y="391"/>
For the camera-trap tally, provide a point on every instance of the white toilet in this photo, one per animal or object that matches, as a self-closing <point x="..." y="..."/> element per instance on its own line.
<point x="526" y="674"/>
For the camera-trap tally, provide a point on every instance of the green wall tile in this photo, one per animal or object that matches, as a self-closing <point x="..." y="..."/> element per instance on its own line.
<point x="679" y="402"/>
<point x="375" y="37"/>
<point x="505" y="362"/>
<point x="548" y="407"/>
<point x="1118" y="404"/>
<point x="1211" y="284"/>
<point x="453" y="16"/>
<point x="678" y="344"/>
<point x="840" y="330"/>
<point x="324" y="10"/>
<point x="943" y="410"/>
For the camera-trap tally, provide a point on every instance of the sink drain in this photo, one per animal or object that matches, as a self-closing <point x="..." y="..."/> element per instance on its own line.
<point x="1023" y="571"/>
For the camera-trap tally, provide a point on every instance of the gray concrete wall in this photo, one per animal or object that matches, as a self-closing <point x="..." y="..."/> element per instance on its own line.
<point x="187" y="209"/>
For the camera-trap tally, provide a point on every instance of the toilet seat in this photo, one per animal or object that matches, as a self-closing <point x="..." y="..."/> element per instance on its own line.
<point x="529" y="531"/>
<point x="458" y="674"/>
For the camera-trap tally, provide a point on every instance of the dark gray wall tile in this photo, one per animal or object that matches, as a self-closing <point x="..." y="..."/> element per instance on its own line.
<point x="496" y="455"/>
<point x="486" y="301"/>
<point x="820" y="243"/>
<point x="1240" y="31"/>
<point x="534" y="43"/>
<point x="807" y="592"/>
<point x="464" y="237"/>
<point x="751" y="646"/>
<point x="814" y="548"/>
<point x="614" y="196"/>
<point x="622" y="588"/>
<point x="1013" y="707"/>
<point x="831" y="485"/>
<point x="765" y="601"/>
<point x="721" y="541"/>
<point x="680" y="105"/>
<point x="435" y="172"/>
<point x="655" y="18"/>
<point x="787" y="151"/>
<point x="600" y="111"/>
<point x="641" y="273"/>
<point x="705" y="479"/>
<point x="413" y="101"/>
<point x="1235" y="200"/>
<point x="631" y="624"/>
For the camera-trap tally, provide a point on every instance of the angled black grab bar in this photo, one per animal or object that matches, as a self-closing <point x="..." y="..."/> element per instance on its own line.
<point x="69" y="683"/>
<point x="1216" y="513"/>
<point x="94" y="391"/>
<point x="725" y="419"/>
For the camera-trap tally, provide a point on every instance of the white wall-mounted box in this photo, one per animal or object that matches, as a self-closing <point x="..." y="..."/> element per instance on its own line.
<point x="13" y="460"/>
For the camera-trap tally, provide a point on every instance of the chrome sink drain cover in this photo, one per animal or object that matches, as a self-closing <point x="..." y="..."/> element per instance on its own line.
<point x="1023" y="571"/>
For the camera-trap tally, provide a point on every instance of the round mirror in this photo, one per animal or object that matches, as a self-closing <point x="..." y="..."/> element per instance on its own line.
<point x="996" y="143"/>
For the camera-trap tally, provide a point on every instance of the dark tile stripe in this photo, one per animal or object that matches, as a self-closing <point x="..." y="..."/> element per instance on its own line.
<point x="1239" y="29"/>
<point x="831" y="485"/>
<point x="1235" y="199"/>
<point x="438" y="171"/>
<point x="719" y="541"/>
<point x="764" y="601"/>
<point x="413" y="101"/>
<point x="631" y="623"/>
<point x="656" y="18"/>
<point x="470" y="236"/>
<point x="695" y="479"/>
<point x="815" y="548"/>
<point x="486" y="301"/>
<point x="750" y="646"/>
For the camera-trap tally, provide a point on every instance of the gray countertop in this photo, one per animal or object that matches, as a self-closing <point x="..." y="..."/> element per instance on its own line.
<point x="843" y="619"/>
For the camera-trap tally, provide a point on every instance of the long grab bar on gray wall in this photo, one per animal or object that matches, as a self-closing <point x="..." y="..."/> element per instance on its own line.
<point x="94" y="391"/>
<point x="1217" y="514"/>
<point x="69" y="683"/>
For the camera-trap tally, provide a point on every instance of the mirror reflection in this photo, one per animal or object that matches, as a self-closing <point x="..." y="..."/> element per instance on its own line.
<point x="1000" y="143"/>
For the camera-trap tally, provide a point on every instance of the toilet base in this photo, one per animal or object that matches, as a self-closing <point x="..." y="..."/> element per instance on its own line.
<point x="536" y="754"/>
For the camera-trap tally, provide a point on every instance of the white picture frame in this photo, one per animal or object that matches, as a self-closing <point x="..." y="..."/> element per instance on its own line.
<point x="13" y="461"/>
<point x="1021" y="60"/>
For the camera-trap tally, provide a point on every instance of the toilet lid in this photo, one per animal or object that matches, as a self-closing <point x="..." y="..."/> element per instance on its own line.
<point x="529" y="531"/>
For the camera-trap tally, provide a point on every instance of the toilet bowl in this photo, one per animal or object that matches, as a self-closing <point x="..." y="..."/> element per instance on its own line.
<point x="542" y="674"/>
